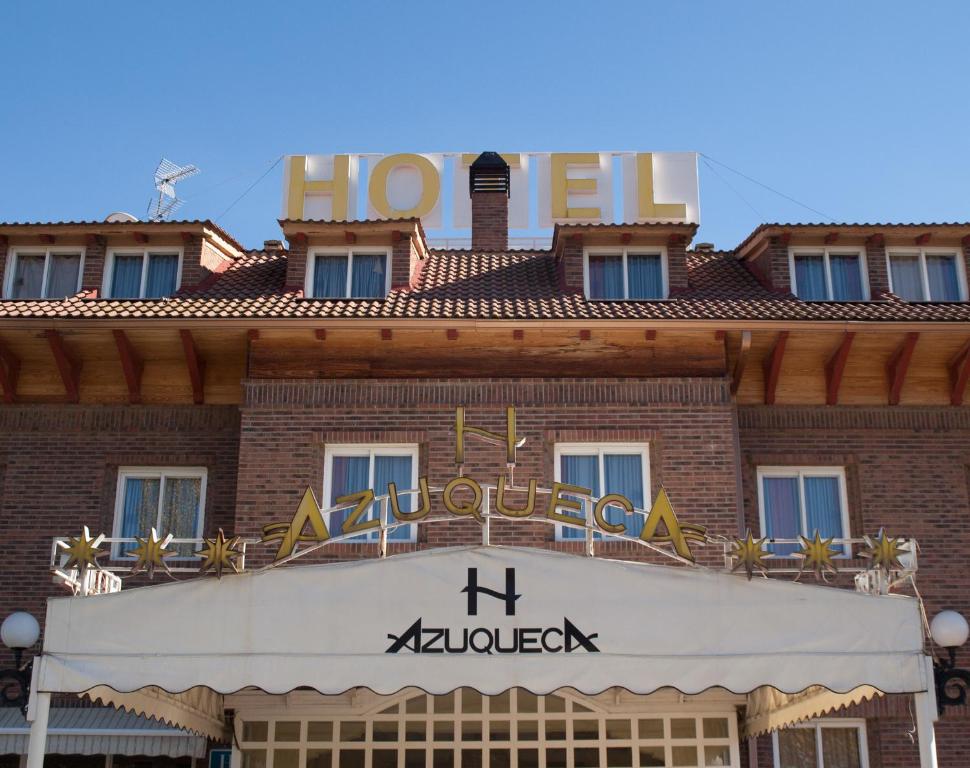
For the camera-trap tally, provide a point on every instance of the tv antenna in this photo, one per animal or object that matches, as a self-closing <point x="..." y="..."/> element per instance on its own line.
<point x="166" y="176"/>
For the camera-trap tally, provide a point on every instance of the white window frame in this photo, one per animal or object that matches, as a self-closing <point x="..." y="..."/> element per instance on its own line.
<point x="152" y="473"/>
<point x="859" y="724"/>
<point x="625" y="251"/>
<point x="109" y="267"/>
<point x="349" y="253"/>
<point x="826" y="253"/>
<point x="10" y="269"/>
<point x="370" y="450"/>
<point x="599" y="450"/>
<point x="800" y="472"/>
<point x="922" y="253"/>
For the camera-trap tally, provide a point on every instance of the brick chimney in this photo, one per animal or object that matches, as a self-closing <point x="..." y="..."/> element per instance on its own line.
<point x="488" y="185"/>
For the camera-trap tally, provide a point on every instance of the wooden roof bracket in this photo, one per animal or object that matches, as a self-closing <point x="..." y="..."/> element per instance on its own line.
<point x="835" y="367"/>
<point x="69" y="369"/>
<point x="772" y="366"/>
<point x="898" y="365"/>
<point x="959" y="369"/>
<point x="741" y="361"/>
<point x="131" y="365"/>
<point x="196" y="366"/>
<point x="9" y="373"/>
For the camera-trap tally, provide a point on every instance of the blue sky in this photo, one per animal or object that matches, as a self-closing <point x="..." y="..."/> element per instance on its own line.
<point x="859" y="110"/>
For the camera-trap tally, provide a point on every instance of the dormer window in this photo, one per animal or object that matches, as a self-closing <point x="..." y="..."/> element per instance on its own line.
<point x="142" y="274"/>
<point x="342" y="273"/>
<point x="828" y="274"/>
<point x="43" y="273"/>
<point x="625" y="273"/>
<point x="923" y="274"/>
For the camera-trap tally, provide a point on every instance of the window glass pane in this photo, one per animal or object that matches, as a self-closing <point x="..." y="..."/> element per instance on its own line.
<point x="180" y="511"/>
<point x="397" y="470"/>
<point x="318" y="758"/>
<point x="126" y="276"/>
<point x="330" y="277"/>
<point x="605" y="276"/>
<point x="683" y="728"/>
<point x="255" y="731"/>
<point x="28" y="278"/>
<point x="684" y="756"/>
<point x="652" y="756"/>
<point x="140" y="510"/>
<point x="62" y="280"/>
<point x="823" y="507"/>
<point x="783" y="519"/>
<point x="906" y="278"/>
<point x="810" y="276"/>
<point x="286" y="758"/>
<point x="350" y="474"/>
<point x="715" y="728"/>
<point x="941" y="270"/>
<point x="288" y="730"/>
<point x="385" y="731"/>
<point x="162" y="274"/>
<point x="582" y="471"/>
<point x="796" y="748"/>
<point x="846" y="277"/>
<point x="645" y="278"/>
<point x="840" y="748"/>
<point x="368" y="280"/>
<point x="717" y="755"/>
<point x="254" y="758"/>
<point x="623" y="474"/>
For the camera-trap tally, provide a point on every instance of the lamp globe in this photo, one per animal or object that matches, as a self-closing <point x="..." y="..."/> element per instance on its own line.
<point x="949" y="629"/>
<point x="19" y="630"/>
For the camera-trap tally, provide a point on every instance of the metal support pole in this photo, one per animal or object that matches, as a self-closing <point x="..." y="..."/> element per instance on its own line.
<point x="40" y="710"/>
<point x="926" y="715"/>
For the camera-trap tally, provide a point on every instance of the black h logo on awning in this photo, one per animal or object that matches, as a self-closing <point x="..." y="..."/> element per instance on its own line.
<point x="509" y="596"/>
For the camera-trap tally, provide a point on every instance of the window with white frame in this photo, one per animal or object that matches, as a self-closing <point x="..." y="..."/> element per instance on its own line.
<point x="169" y="499"/>
<point x="604" y="468"/>
<point x="352" y="468"/>
<point x="828" y="274"/>
<point x="797" y="501"/>
<point x="625" y="273"/>
<point x="43" y="273"/>
<point x="926" y="274"/>
<point x="133" y="273"/>
<point x="348" y="273"/>
<point x="832" y="743"/>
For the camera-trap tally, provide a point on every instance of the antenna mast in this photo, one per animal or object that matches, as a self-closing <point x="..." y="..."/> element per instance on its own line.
<point x="166" y="176"/>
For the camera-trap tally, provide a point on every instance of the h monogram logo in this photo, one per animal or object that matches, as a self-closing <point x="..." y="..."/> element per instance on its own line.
<point x="473" y="590"/>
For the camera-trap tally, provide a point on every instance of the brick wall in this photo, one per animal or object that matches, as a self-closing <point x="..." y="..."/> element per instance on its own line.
<point x="677" y="265"/>
<point x="878" y="270"/>
<point x="571" y="264"/>
<point x="490" y="221"/>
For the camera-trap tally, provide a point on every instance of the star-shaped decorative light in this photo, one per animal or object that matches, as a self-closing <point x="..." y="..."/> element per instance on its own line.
<point x="884" y="551"/>
<point x="817" y="554"/>
<point x="82" y="552"/>
<point x="151" y="553"/>
<point x="750" y="553"/>
<point x="219" y="554"/>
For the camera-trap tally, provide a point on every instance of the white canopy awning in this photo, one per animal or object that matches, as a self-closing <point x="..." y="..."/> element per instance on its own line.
<point x="408" y="620"/>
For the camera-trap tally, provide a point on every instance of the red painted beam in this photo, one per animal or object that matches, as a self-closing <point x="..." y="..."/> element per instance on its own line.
<point x="69" y="369"/>
<point x="9" y="373"/>
<point x="452" y="334"/>
<point x="835" y="367"/>
<point x="386" y="334"/>
<point x="140" y="237"/>
<point x="625" y="238"/>
<point x="396" y="236"/>
<point x="719" y="335"/>
<point x="831" y="237"/>
<point x="518" y="334"/>
<point x="252" y="334"/>
<point x="131" y="366"/>
<point x="47" y="239"/>
<point x="959" y="374"/>
<point x="196" y="366"/>
<point x="187" y="237"/>
<point x="650" y="335"/>
<point x="772" y="366"/>
<point x="876" y="239"/>
<point x="923" y="239"/>
<point x="350" y="237"/>
<point x="898" y="365"/>
<point x="585" y="335"/>
<point x="321" y="334"/>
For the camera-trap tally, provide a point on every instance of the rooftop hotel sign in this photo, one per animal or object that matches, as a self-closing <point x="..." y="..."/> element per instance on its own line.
<point x="570" y="187"/>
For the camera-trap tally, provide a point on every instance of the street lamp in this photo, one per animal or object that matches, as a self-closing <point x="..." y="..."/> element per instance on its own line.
<point x="950" y="630"/>
<point x="18" y="632"/>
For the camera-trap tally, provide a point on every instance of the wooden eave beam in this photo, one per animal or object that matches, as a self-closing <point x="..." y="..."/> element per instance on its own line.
<point x="9" y="373"/>
<point x="835" y="367"/>
<point x="959" y="368"/>
<point x="196" y="366"/>
<point x="69" y="369"/>
<point x="741" y="362"/>
<point x="898" y="365"/>
<point x="772" y="366"/>
<point x="131" y="365"/>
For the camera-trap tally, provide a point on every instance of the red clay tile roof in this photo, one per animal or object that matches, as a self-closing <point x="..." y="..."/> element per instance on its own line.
<point x="513" y="285"/>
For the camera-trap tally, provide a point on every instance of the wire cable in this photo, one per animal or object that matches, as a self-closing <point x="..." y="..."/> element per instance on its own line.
<point x="251" y="187"/>
<point x="730" y="186"/>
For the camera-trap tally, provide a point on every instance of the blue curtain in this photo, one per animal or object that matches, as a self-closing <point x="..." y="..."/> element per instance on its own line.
<point x="942" y="273"/>
<point x="368" y="280"/>
<point x="140" y="513"/>
<point x="162" y="273"/>
<point x="823" y="507"/>
<point x="782" y="512"/>
<point x="28" y="279"/>
<point x="62" y="280"/>
<point x="846" y="277"/>
<point x="397" y="470"/>
<point x="810" y="277"/>
<point x="180" y="510"/>
<point x="906" y="278"/>
<point x="645" y="276"/>
<point x="126" y="277"/>
<point x="330" y="277"/>
<point x="605" y="276"/>
<point x="582" y="471"/>
<point x="623" y="473"/>
<point x="350" y="474"/>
